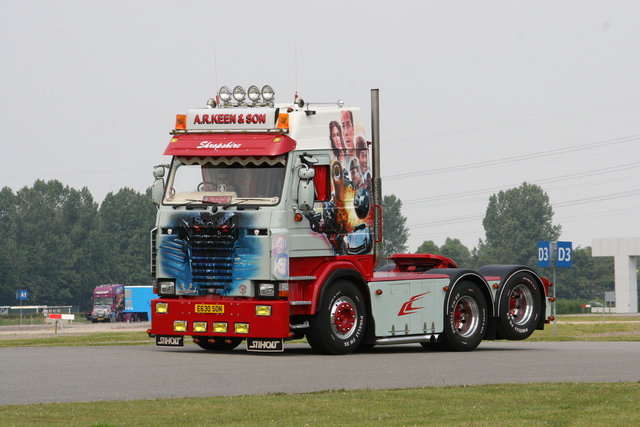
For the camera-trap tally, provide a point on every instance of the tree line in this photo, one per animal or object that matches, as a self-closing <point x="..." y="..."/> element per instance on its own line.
<point x="59" y="244"/>
<point x="515" y="221"/>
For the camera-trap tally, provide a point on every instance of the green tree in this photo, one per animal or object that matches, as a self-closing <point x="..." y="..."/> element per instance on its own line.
<point x="515" y="221"/>
<point x="58" y="245"/>
<point x="126" y="219"/>
<point x="394" y="231"/>
<point x="455" y="250"/>
<point x="428" y="247"/>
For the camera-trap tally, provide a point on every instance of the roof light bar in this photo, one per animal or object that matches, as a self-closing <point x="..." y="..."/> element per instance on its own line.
<point x="255" y="95"/>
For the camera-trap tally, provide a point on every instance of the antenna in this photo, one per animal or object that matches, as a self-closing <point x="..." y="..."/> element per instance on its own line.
<point x="295" y="55"/>
<point x="215" y="74"/>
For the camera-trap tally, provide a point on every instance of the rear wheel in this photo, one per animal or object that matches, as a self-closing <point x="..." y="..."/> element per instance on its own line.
<point x="465" y="322"/>
<point x="338" y="326"/>
<point x="219" y="343"/>
<point x="519" y="308"/>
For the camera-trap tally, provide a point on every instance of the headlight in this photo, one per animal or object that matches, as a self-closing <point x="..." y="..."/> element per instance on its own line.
<point x="254" y="94"/>
<point x="166" y="288"/>
<point x="263" y="310"/>
<point x="180" y="326"/>
<point x="267" y="289"/>
<point x="238" y="94"/>
<point x="225" y="94"/>
<point x="162" y="307"/>
<point x="267" y="94"/>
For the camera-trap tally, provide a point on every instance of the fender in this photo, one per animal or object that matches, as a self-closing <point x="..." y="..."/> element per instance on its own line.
<point x="505" y="273"/>
<point x="325" y="272"/>
<point x="459" y="274"/>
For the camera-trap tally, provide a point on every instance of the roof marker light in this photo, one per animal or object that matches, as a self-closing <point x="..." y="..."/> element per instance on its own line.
<point x="181" y="121"/>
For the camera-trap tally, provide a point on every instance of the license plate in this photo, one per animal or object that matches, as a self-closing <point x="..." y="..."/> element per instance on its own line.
<point x="265" y="344"/>
<point x="210" y="308"/>
<point x="169" y="340"/>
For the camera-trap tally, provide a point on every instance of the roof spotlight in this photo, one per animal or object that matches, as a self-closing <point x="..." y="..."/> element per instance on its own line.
<point x="239" y="94"/>
<point x="225" y="94"/>
<point x="267" y="94"/>
<point x="253" y="93"/>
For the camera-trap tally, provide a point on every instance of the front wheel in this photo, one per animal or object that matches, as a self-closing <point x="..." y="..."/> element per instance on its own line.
<point x="338" y="326"/>
<point x="465" y="321"/>
<point x="219" y="343"/>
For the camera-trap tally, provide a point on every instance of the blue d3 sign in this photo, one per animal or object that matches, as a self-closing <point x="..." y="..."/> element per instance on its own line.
<point x="544" y="254"/>
<point x="564" y="254"/>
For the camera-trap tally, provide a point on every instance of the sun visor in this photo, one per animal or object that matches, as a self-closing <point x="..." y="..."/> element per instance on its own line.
<point x="202" y="145"/>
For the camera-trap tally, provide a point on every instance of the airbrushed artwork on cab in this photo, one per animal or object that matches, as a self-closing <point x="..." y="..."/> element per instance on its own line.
<point x="280" y="256"/>
<point x="209" y="253"/>
<point x="346" y="218"/>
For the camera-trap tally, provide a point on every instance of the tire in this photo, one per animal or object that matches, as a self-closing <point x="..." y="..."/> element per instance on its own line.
<point x="220" y="343"/>
<point x="465" y="320"/>
<point x="339" y="325"/>
<point x="519" y="308"/>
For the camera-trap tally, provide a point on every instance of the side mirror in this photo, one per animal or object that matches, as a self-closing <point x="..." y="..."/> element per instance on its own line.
<point x="157" y="189"/>
<point x="306" y="188"/>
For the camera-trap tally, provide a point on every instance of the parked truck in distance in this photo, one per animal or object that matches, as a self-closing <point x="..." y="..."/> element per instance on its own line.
<point x="120" y="303"/>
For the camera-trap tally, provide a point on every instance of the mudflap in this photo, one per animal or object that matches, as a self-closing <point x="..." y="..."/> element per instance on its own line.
<point x="273" y="345"/>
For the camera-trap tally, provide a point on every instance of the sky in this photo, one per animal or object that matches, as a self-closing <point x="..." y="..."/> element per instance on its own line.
<point x="476" y="96"/>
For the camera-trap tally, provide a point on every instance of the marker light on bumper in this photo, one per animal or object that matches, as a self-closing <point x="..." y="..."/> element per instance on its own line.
<point x="220" y="327"/>
<point x="180" y="326"/>
<point x="263" y="310"/>
<point x="162" y="308"/>
<point x="241" y="328"/>
<point x="199" y="326"/>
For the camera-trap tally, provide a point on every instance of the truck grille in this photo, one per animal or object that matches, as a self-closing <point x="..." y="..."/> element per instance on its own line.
<point x="201" y="256"/>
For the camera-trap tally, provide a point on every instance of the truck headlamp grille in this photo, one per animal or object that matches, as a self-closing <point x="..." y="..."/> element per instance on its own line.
<point x="241" y="328"/>
<point x="263" y="310"/>
<point x="180" y="326"/>
<point x="162" y="308"/>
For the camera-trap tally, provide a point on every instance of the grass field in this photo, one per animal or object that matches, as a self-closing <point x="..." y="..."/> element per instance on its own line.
<point x="562" y="404"/>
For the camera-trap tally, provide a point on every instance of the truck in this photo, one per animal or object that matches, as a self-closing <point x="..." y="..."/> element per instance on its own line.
<point x="269" y="229"/>
<point x="120" y="303"/>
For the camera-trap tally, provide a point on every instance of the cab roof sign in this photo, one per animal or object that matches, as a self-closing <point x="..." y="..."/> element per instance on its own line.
<point x="243" y="119"/>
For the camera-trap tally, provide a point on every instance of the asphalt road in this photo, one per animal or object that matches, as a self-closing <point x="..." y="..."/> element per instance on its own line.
<point x="73" y="374"/>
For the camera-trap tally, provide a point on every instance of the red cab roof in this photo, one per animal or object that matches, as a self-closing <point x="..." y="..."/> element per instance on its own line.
<point x="246" y="144"/>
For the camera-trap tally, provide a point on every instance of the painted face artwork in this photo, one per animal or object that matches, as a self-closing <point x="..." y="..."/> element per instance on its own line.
<point x="348" y="131"/>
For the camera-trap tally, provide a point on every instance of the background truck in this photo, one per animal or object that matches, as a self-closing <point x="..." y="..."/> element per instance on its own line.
<point x="119" y="303"/>
<point x="269" y="229"/>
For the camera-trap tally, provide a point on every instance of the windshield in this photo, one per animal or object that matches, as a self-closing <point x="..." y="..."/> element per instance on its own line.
<point x="256" y="180"/>
<point x="102" y="301"/>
